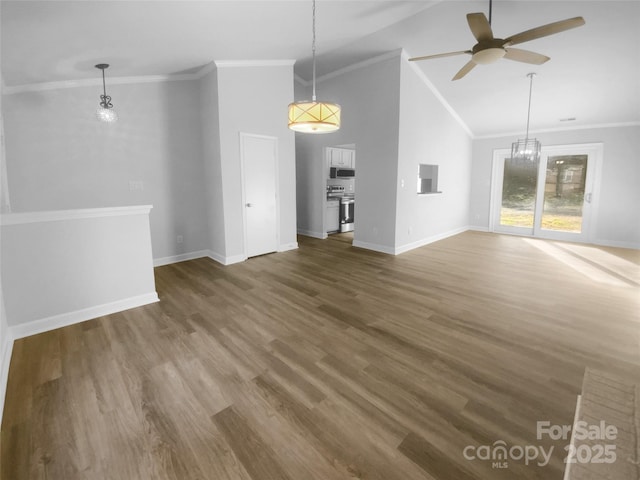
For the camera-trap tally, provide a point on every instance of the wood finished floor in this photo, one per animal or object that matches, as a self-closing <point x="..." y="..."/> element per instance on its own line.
<point x="328" y="362"/>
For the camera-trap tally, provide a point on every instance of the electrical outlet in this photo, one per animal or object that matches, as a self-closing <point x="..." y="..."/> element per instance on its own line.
<point x="179" y="239"/>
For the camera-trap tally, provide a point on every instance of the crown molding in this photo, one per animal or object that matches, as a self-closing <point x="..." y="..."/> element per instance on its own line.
<point x="301" y="81"/>
<point x="253" y="63"/>
<point x="359" y="65"/>
<point x="386" y="56"/>
<point x="422" y="76"/>
<point x="92" y="82"/>
<point x="560" y="129"/>
<point x="349" y="68"/>
<point x="207" y="69"/>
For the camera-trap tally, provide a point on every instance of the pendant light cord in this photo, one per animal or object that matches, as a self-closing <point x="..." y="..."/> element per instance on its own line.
<point x="105" y="99"/>
<point x="104" y="85"/>
<point x="313" y="50"/>
<point x="490" y="8"/>
<point x="530" y="75"/>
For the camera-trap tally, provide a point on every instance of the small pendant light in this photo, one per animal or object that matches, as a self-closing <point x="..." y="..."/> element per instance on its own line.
<point x="313" y="116"/>
<point x="529" y="148"/>
<point x="105" y="111"/>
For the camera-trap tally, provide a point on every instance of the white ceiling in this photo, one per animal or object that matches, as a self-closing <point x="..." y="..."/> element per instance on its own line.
<point x="592" y="75"/>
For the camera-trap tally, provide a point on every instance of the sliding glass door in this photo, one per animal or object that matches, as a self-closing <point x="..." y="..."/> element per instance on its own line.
<point x="552" y="198"/>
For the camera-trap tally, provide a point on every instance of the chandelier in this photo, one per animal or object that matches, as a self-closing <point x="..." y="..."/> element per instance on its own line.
<point x="527" y="148"/>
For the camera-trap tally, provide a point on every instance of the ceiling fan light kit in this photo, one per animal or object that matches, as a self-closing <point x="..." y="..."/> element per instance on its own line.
<point x="313" y="116"/>
<point x="490" y="49"/>
<point x="488" y="55"/>
<point x="105" y="111"/>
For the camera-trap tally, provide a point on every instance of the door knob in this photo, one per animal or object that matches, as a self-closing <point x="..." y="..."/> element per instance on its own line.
<point x="249" y="204"/>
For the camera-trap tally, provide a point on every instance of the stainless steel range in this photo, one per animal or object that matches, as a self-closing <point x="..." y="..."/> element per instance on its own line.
<point x="347" y="206"/>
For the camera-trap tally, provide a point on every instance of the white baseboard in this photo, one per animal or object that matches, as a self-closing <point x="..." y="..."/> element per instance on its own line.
<point x="158" y="262"/>
<point x="475" y="228"/>
<point x="225" y="260"/>
<point x="616" y="244"/>
<point x="5" y="361"/>
<point x="599" y="242"/>
<point x="426" y="241"/>
<point x="288" y="246"/>
<point x="374" y="246"/>
<point x="409" y="246"/>
<point x="309" y="233"/>
<point x="56" y="321"/>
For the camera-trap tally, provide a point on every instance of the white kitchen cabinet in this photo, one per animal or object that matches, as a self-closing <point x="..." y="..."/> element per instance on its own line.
<point x="342" y="157"/>
<point x="332" y="216"/>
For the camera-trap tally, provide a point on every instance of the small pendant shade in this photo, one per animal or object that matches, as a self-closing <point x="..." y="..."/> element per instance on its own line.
<point x="311" y="116"/>
<point x="107" y="115"/>
<point x="105" y="111"/>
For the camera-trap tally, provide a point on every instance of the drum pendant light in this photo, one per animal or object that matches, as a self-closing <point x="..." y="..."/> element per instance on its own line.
<point x="313" y="116"/>
<point x="105" y="111"/>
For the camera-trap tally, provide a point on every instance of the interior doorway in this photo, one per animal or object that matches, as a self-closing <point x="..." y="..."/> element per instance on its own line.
<point x="339" y="201"/>
<point x="552" y="198"/>
<point x="258" y="158"/>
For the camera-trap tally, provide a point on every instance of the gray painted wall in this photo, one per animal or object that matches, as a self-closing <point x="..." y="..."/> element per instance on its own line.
<point x="370" y="98"/>
<point x="254" y="100"/>
<point x="395" y="122"/>
<point x="429" y="135"/>
<point x="210" y="125"/>
<point x="59" y="157"/>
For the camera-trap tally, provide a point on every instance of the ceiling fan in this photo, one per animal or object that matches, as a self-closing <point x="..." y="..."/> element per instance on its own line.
<point x="490" y="49"/>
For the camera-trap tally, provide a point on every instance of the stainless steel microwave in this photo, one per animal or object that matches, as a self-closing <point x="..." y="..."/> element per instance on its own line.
<point x="336" y="172"/>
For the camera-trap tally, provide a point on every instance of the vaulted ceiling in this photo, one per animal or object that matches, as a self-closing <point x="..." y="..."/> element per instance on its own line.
<point x="592" y="76"/>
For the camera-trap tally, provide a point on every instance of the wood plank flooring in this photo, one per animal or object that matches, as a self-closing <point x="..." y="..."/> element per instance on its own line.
<point x="328" y="362"/>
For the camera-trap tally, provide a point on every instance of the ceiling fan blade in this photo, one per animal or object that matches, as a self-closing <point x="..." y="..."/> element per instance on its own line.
<point x="543" y="31"/>
<point x="464" y="70"/>
<point x="479" y="26"/>
<point x="439" y="55"/>
<point x="525" y="56"/>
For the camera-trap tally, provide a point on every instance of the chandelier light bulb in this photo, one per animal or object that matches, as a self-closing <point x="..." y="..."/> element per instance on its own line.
<point x="107" y="115"/>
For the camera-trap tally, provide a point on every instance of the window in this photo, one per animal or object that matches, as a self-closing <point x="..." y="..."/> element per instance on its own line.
<point x="427" y="179"/>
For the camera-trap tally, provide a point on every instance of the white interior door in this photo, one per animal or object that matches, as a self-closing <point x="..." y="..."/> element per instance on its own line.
<point x="553" y="198"/>
<point x="259" y="171"/>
